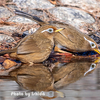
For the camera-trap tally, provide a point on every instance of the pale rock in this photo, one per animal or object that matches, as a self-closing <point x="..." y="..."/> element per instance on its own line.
<point x="4" y="12"/>
<point x="72" y="16"/>
<point x="20" y="19"/>
<point x="31" y="4"/>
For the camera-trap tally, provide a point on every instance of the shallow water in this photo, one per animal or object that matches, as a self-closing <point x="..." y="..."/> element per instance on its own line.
<point x="86" y="88"/>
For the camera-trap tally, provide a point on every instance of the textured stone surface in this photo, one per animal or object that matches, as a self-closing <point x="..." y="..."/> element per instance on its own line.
<point x="20" y="19"/>
<point x="96" y="38"/>
<point x="7" y="29"/>
<point x="73" y="16"/>
<point x="31" y="4"/>
<point x="6" y="38"/>
<point x="4" y="12"/>
<point x="82" y="3"/>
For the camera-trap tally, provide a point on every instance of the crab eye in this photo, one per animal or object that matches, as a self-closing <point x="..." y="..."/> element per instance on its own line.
<point x="92" y="45"/>
<point x="50" y="30"/>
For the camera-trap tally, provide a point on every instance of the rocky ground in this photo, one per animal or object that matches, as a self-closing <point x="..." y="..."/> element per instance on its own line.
<point x="82" y="14"/>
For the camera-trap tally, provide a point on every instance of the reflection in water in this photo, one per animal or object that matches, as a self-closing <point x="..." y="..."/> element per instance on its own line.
<point x="71" y="72"/>
<point x="39" y="78"/>
<point x="92" y="67"/>
<point x="35" y="78"/>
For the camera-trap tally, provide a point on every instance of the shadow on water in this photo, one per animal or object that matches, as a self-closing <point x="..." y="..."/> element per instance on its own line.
<point x="75" y="79"/>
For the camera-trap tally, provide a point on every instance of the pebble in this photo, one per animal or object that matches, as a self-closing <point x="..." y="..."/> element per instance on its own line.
<point x="8" y="64"/>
